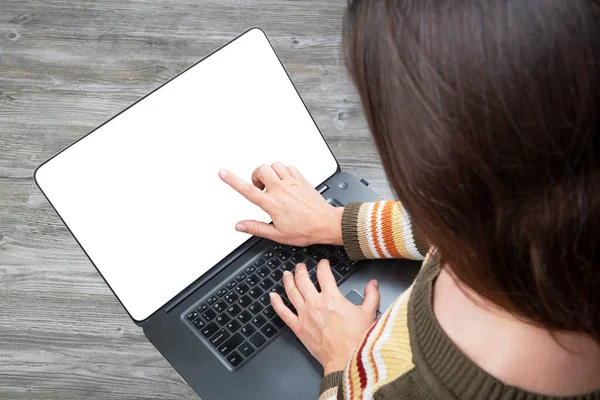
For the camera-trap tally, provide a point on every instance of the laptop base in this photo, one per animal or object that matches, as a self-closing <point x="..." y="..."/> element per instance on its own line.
<point x="284" y="369"/>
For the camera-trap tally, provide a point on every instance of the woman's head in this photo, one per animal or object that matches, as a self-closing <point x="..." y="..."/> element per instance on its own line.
<point x="486" y="116"/>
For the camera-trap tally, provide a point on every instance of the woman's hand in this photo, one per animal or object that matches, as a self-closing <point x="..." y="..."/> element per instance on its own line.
<point x="327" y="323"/>
<point x="300" y="215"/>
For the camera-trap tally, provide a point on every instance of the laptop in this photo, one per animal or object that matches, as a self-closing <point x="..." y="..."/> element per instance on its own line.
<point x="142" y="197"/>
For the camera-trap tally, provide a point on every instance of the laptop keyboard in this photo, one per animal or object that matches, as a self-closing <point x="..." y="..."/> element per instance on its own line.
<point x="237" y="320"/>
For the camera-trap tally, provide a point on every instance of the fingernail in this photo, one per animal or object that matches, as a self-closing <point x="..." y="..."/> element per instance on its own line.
<point x="222" y="173"/>
<point x="286" y="273"/>
<point x="240" y="228"/>
<point x="272" y="295"/>
<point x="376" y="284"/>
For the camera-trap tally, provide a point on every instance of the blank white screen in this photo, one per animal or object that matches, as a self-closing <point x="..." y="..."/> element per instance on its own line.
<point x="141" y="193"/>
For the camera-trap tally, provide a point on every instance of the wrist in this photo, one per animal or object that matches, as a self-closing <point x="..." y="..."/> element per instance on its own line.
<point x="334" y="227"/>
<point x="334" y="366"/>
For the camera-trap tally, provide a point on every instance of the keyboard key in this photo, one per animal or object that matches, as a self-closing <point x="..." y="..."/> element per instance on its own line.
<point x="192" y="316"/>
<point x="231" y="285"/>
<point x="212" y="300"/>
<point x="209" y="315"/>
<point x="266" y="284"/>
<point x="308" y="250"/>
<point x="222" y="292"/>
<point x="268" y="330"/>
<point x="265" y="299"/>
<point x="288" y="266"/>
<point x="337" y="276"/>
<point x="294" y="249"/>
<point x="313" y="276"/>
<point x="201" y="308"/>
<point x="233" y="325"/>
<point x="310" y="264"/>
<point x="268" y="255"/>
<point x="240" y="277"/>
<point x="219" y="337"/>
<point x="234" y="310"/>
<point x="199" y="324"/>
<point x="220" y="305"/>
<point x="244" y="301"/>
<point x="244" y="317"/>
<point x="231" y="344"/>
<point x="269" y="312"/>
<point x="222" y="319"/>
<point x="242" y="288"/>
<point x="341" y="252"/>
<point x="255" y="308"/>
<point x="318" y="256"/>
<point x="234" y="359"/>
<point x="277" y="289"/>
<point x="284" y="255"/>
<point x="258" y="262"/>
<point x="246" y="349"/>
<point x="276" y="275"/>
<point x="252" y="280"/>
<point x="231" y="298"/>
<point x="273" y="263"/>
<point x="334" y="260"/>
<point x="255" y="293"/>
<point x="278" y="322"/>
<point x="250" y="270"/>
<point x="248" y="330"/>
<point x="263" y="272"/>
<point x="343" y="269"/>
<point x="259" y="320"/>
<point x="298" y="258"/>
<point x="257" y="339"/>
<point x="277" y="248"/>
<point x="209" y="330"/>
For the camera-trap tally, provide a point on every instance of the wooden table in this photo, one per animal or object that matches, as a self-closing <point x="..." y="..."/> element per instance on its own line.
<point x="65" y="67"/>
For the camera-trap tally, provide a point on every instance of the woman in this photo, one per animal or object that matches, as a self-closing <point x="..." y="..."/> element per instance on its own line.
<point x="485" y="114"/>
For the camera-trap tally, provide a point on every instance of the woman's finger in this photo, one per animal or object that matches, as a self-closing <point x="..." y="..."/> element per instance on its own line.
<point x="295" y="173"/>
<point x="326" y="278"/>
<point x="304" y="284"/>
<point x="292" y="290"/>
<point x="371" y="302"/>
<point x="244" y="188"/>
<point x="281" y="170"/>
<point x="260" y="229"/>
<point x="283" y="311"/>
<point x="264" y="176"/>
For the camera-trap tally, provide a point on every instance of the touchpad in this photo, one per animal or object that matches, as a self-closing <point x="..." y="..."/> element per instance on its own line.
<point x="357" y="299"/>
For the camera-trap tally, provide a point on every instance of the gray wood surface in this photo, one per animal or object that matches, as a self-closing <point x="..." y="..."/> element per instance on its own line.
<point x="65" y="67"/>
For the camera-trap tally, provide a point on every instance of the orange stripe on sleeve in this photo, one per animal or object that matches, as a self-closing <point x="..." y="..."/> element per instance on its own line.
<point x="386" y="227"/>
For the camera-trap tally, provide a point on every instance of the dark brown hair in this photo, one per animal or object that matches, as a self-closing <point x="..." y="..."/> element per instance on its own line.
<point x="485" y="114"/>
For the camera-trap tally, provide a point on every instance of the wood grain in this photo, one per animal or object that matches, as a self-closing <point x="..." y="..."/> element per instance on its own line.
<point x="67" y="66"/>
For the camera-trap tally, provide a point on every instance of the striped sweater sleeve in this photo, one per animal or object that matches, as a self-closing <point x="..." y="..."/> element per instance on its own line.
<point x="330" y="385"/>
<point x="381" y="229"/>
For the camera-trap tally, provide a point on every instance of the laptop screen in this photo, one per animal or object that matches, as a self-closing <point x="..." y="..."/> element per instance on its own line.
<point x="141" y="193"/>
